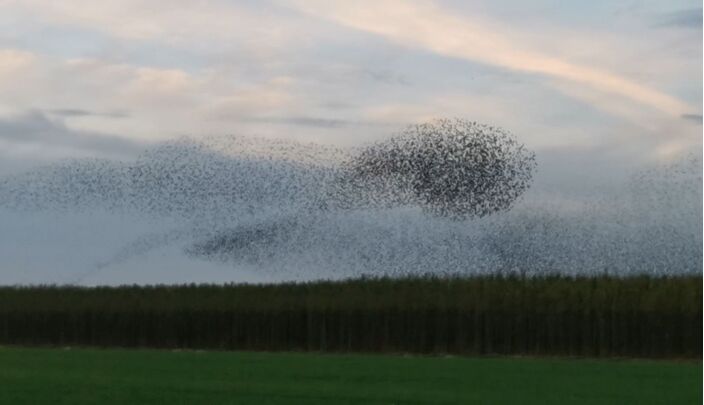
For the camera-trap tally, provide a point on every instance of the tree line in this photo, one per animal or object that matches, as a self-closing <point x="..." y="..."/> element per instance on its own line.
<point x="600" y="316"/>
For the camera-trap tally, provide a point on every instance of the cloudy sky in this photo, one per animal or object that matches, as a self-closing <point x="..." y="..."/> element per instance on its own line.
<point x="596" y="88"/>
<point x="105" y="78"/>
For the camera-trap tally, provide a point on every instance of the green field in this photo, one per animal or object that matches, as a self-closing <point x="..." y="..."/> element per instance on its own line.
<point x="88" y="376"/>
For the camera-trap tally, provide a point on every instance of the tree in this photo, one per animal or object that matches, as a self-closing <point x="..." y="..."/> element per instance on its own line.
<point x="451" y="168"/>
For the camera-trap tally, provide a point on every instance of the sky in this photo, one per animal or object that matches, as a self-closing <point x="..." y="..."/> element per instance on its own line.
<point x="598" y="89"/>
<point x="106" y="79"/>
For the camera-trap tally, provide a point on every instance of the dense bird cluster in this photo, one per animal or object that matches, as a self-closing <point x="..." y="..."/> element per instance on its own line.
<point x="450" y="168"/>
<point x="433" y="198"/>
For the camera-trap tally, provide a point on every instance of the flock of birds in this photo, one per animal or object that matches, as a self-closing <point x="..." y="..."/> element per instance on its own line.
<point x="442" y="197"/>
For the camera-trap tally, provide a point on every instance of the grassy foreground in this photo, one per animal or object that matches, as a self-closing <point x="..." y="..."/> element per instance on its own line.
<point x="88" y="376"/>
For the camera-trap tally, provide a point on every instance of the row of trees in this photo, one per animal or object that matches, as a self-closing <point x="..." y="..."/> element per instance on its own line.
<point x="552" y="315"/>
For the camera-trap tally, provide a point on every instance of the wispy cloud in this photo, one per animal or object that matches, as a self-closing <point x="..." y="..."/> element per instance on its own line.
<point x="77" y="112"/>
<point x="256" y="27"/>
<point x="316" y="122"/>
<point x="691" y="18"/>
<point x="301" y="121"/>
<point x="426" y="26"/>
<point x="36" y="128"/>
<point x="693" y="117"/>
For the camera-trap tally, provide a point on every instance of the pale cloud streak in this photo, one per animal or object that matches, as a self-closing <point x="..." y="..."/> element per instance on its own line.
<point x="426" y="26"/>
<point x="253" y="28"/>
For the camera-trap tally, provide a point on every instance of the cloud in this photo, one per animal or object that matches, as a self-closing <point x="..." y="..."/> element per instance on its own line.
<point x="691" y="18"/>
<point x="386" y="77"/>
<point x="693" y="117"/>
<point x="426" y="26"/>
<point x="317" y="122"/>
<point x="37" y="130"/>
<point x="152" y="104"/>
<point x="77" y="112"/>
<point x="302" y="121"/>
<point x="257" y="28"/>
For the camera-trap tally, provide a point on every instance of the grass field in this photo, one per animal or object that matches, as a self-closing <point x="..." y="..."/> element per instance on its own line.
<point x="88" y="376"/>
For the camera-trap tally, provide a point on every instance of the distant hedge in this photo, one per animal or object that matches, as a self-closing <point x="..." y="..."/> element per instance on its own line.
<point x="641" y="316"/>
